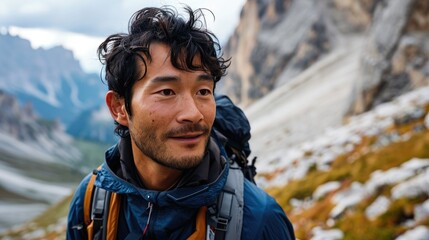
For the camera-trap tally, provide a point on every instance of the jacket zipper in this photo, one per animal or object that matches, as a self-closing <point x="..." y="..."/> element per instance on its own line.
<point x="150" y="207"/>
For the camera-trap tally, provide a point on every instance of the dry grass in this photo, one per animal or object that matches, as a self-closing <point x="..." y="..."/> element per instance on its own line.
<point x="354" y="223"/>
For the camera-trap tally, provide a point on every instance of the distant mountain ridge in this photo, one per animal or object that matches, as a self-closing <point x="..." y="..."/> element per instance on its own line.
<point x="51" y="79"/>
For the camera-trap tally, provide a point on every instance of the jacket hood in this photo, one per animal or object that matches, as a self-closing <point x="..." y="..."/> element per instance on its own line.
<point x="193" y="197"/>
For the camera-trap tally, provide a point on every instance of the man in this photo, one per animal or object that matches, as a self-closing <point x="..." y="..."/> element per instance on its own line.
<point x="168" y="163"/>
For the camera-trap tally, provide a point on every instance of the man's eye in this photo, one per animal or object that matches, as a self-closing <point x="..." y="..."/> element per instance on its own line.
<point x="204" y="92"/>
<point x="166" y="92"/>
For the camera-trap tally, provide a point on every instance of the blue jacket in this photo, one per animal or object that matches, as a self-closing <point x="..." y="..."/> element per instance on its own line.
<point x="173" y="212"/>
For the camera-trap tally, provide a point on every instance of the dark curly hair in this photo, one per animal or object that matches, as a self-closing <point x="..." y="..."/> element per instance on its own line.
<point x="187" y="38"/>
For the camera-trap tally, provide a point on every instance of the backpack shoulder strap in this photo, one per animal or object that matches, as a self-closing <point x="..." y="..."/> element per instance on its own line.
<point x="113" y="216"/>
<point x="87" y="206"/>
<point x="226" y="221"/>
<point x="101" y="224"/>
<point x="88" y="200"/>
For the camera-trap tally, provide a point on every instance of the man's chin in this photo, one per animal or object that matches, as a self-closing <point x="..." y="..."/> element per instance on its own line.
<point x="184" y="163"/>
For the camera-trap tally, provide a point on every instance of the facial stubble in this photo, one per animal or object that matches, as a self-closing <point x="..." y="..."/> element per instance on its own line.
<point x="157" y="150"/>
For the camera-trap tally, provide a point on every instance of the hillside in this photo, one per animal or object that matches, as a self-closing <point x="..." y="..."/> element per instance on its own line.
<point x="371" y="172"/>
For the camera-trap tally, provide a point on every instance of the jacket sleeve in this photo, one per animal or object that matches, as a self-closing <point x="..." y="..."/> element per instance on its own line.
<point x="76" y="229"/>
<point x="277" y="225"/>
<point x="263" y="217"/>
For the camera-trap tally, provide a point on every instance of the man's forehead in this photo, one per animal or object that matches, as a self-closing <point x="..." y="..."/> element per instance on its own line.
<point x="160" y="56"/>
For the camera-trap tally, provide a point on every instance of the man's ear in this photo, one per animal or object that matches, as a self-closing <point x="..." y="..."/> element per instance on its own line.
<point x="116" y="105"/>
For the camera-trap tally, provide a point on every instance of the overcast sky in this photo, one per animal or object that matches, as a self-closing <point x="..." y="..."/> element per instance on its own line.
<point x="81" y="25"/>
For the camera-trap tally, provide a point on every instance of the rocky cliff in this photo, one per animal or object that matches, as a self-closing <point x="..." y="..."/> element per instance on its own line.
<point x="276" y="40"/>
<point x="24" y="134"/>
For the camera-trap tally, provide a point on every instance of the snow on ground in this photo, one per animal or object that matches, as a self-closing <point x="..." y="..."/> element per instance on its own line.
<point x="331" y="234"/>
<point x="323" y="189"/>
<point x="21" y="212"/>
<point x="347" y="198"/>
<point x="395" y="175"/>
<point x="421" y="211"/>
<point x="417" y="233"/>
<point x="417" y="184"/>
<point x="31" y="188"/>
<point x="17" y="148"/>
<point x="294" y="162"/>
<point x="378" y="207"/>
<point x="414" y="187"/>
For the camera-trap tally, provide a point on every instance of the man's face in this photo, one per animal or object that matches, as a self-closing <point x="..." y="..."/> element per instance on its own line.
<point x="172" y="112"/>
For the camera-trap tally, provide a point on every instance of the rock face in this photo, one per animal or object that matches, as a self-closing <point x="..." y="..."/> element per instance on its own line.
<point x="396" y="56"/>
<point x="22" y="133"/>
<point x="277" y="40"/>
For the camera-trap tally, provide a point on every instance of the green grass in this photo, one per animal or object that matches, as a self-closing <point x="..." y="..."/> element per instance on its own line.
<point x="92" y="156"/>
<point x="92" y="153"/>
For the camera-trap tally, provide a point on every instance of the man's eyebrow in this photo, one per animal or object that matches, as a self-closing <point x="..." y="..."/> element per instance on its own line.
<point x="205" y="77"/>
<point x="160" y="79"/>
<point x="165" y="79"/>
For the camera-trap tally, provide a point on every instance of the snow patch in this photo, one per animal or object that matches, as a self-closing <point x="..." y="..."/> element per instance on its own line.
<point x="421" y="211"/>
<point x="378" y="207"/>
<point x="395" y="175"/>
<point x="326" y="188"/>
<point x="417" y="233"/>
<point x="329" y="234"/>
<point x="30" y="187"/>
<point x="414" y="187"/>
<point x="347" y="198"/>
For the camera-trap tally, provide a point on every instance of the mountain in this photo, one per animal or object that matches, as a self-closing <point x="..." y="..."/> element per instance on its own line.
<point x="276" y="40"/>
<point x="37" y="162"/>
<point x="94" y="124"/>
<point x="51" y="79"/>
<point x="43" y="95"/>
<point x="24" y="134"/>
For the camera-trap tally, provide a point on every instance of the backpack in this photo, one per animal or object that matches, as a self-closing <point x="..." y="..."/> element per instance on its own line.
<point x="224" y="219"/>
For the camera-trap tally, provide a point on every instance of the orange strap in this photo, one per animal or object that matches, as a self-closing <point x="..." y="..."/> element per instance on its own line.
<point x="200" y="225"/>
<point x="112" y="221"/>
<point x="87" y="200"/>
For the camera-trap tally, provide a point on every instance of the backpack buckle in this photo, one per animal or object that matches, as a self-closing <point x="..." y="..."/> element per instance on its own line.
<point x="222" y="224"/>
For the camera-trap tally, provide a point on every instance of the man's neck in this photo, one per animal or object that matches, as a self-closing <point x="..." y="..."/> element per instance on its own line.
<point x="155" y="176"/>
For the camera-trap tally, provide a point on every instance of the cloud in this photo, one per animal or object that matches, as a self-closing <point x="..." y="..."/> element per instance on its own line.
<point x="100" y="18"/>
<point x="81" y="25"/>
<point x="83" y="46"/>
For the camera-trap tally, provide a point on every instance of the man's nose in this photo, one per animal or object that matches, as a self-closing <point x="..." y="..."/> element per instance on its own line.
<point x="189" y="110"/>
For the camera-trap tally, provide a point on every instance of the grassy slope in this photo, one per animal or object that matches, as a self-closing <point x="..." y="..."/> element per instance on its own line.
<point x="51" y="223"/>
<point x="347" y="170"/>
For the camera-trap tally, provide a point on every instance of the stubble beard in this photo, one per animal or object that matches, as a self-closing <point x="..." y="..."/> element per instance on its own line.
<point x="156" y="149"/>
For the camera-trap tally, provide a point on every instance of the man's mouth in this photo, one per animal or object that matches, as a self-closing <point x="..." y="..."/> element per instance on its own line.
<point x="192" y="135"/>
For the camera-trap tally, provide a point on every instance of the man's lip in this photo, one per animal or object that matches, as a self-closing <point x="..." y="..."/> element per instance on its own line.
<point x="189" y="135"/>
